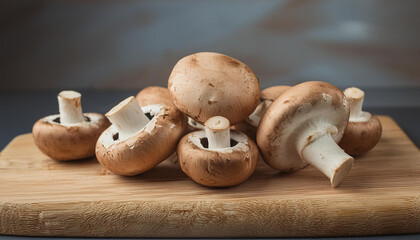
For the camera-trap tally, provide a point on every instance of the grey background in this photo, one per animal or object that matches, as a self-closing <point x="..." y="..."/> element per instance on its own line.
<point x="134" y="44"/>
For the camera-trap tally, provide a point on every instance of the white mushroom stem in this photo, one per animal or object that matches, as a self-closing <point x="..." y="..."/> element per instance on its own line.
<point x="324" y="154"/>
<point x="217" y="132"/>
<point x="355" y="98"/>
<point x="128" y="118"/>
<point x="70" y="108"/>
<point x="255" y="117"/>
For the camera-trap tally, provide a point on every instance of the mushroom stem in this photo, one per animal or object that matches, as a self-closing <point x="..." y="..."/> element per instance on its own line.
<point x="255" y="117"/>
<point x="128" y="118"/>
<point x="355" y="97"/>
<point x="324" y="154"/>
<point x="70" y="107"/>
<point x="217" y="132"/>
<point x="356" y="107"/>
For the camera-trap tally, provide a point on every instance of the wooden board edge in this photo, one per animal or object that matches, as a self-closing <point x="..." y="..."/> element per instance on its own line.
<point x="239" y="218"/>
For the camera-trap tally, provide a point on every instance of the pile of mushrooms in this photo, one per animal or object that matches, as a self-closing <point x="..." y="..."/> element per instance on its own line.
<point x="209" y="118"/>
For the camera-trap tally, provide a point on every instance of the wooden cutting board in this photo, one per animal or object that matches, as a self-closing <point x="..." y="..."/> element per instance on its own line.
<point x="41" y="197"/>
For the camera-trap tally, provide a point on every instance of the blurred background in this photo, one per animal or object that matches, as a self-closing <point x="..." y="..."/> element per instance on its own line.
<point x="134" y="44"/>
<point x="110" y="49"/>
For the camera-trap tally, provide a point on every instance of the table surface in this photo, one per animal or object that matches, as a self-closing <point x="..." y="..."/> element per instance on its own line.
<point x="20" y="109"/>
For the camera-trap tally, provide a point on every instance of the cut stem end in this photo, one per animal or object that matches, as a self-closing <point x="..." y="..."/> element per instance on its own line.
<point x="128" y="118"/>
<point x="70" y="108"/>
<point x="324" y="154"/>
<point x="355" y="98"/>
<point x="218" y="132"/>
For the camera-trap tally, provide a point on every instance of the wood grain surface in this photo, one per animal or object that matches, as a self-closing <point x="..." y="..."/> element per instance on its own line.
<point x="42" y="197"/>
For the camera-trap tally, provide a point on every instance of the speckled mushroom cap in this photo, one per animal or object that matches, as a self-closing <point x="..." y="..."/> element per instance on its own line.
<point x="70" y="141"/>
<point x="361" y="137"/>
<point x="298" y="115"/>
<point x="219" y="167"/>
<point x="154" y="95"/>
<point x="147" y="148"/>
<point x="274" y="92"/>
<point x="206" y="84"/>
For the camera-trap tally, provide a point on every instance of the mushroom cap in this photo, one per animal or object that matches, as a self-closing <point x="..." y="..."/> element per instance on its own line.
<point x="147" y="148"/>
<point x="361" y="137"/>
<point x="154" y="95"/>
<point x="205" y="84"/>
<point x="221" y="167"/>
<point x="71" y="141"/>
<point x="295" y="118"/>
<point x="274" y="92"/>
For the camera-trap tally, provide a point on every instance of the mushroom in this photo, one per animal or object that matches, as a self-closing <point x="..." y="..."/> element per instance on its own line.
<point x="154" y="95"/>
<point x="139" y="137"/>
<point x="363" y="130"/>
<point x="247" y="128"/>
<point x="268" y="95"/>
<point x="205" y="84"/>
<point x="217" y="156"/>
<point x="158" y="95"/>
<point x="194" y="125"/>
<point x="69" y="135"/>
<point x="303" y="126"/>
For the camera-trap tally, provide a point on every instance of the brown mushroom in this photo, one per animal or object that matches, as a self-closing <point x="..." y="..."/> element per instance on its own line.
<point x="363" y="130"/>
<point x="154" y="95"/>
<point x="203" y="85"/>
<point x="158" y="95"/>
<point x="247" y="128"/>
<point x="303" y="126"/>
<point x="268" y="95"/>
<point x="139" y="137"/>
<point x="71" y="134"/>
<point x="216" y="156"/>
<point x="271" y="93"/>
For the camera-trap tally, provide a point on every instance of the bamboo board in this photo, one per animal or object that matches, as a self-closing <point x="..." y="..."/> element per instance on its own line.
<point x="41" y="197"/>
